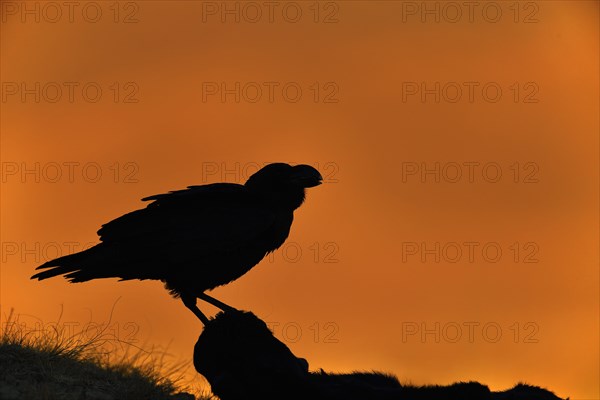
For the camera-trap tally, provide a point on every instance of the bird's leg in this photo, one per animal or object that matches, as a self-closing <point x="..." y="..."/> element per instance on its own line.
<point x="215" y="302"/>
<point x="190" y="302"/>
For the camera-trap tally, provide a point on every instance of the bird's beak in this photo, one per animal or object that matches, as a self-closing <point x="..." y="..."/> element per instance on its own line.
<point x="306" y="176"/>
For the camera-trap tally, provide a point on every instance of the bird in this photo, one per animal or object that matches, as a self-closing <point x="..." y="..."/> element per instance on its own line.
<point x="195" y="239"/>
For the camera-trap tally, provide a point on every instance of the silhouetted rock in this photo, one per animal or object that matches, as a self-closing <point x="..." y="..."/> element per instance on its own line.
<point x="353" y="386"/>
<point x="525" y="392"/>
<point x="241" y="359"/>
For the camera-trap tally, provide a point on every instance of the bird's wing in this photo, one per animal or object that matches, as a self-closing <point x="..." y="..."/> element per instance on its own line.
<point x="209" y="217"/>
<point x="213" y="190"/>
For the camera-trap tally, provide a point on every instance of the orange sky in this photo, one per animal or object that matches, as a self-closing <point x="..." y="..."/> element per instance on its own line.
<point x="374" y="94"/>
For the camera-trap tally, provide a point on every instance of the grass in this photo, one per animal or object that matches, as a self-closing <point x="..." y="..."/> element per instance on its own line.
<point x="54" y="363"/>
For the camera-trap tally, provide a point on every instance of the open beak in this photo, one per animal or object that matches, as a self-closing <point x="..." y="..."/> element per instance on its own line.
<point x="306" y="176"/>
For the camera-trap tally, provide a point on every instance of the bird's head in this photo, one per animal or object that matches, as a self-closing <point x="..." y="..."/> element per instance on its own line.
<point x="283" y="182"/>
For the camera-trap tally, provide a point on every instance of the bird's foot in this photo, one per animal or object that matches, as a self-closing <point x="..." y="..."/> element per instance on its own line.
<point x="190" y="303"/>
<point x="216" y="303"/>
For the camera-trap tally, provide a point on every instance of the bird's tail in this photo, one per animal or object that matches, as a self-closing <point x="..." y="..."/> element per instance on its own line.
<point x="73" y="266"/>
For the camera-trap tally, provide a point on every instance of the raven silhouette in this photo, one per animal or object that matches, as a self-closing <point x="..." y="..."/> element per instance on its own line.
<point x="197" y="238"/>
